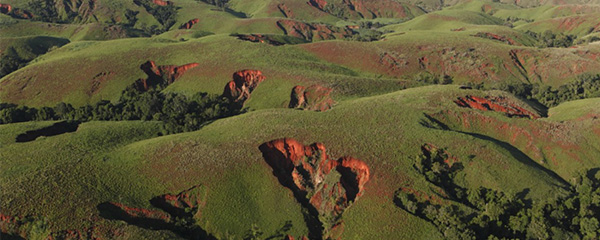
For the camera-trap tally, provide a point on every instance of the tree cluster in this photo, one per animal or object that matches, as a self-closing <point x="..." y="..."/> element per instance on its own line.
<point x="165" y="15"/>
<point x="584" y="86"/>
<point x="550" y="39"/>
<point x="44" y="10"/>
<point x="219" y="3"/>
<point x="483" y="213"/>
<point x="178" y="112"/>
<point x="10" y="62"/>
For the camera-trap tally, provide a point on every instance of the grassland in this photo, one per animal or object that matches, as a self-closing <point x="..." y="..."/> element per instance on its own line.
<point x="242" y="189"/>
<point x="384" y="113"/>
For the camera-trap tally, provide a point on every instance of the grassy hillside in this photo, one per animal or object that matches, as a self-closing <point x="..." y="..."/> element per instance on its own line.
<point x="243" y="190"/>
<point x="409" y="81"/>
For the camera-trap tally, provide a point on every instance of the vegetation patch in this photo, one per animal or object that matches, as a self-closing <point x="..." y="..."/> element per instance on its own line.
<point x="481" y="213"/>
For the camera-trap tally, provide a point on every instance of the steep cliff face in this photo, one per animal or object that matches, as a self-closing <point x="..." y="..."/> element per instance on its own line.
<point x="244" y="82"/>
<point x="161" y="76"/>
<point x="314" y="98"/>
<point x="326" y="187"/>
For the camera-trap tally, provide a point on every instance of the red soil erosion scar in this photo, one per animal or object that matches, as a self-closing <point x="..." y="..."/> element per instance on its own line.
<point x="5" y="8"/>
<point x="496" y="104"/>
<point x="244" y="82"/>
<point x="189" y="24"/>
<point x="15" y="12"/>
<point x="314" y="98"/>
<point x="157" y="75"/>
<point x="324" y="186"/>
<point x="185" y="206"/>
<point x="162" y="2"/>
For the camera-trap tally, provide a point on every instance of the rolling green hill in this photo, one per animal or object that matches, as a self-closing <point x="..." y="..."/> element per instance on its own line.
<point x="430" y="120"/>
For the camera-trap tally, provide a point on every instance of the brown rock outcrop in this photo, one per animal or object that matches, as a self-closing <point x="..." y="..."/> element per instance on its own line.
<point x="326" y="187"/>
<point x="189" y="24"/>
<point x="244" y="82"/>
<point x="182" y="204"/>
<point x="161" y="76"/>
<point x="315" y="98"/>
<point x="496" y="104"/>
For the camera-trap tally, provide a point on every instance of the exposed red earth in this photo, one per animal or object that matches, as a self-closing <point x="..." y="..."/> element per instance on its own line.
<point x="141" y="214"/>
<point x="392" y="61"/>
<point x="244" y="82"/>
<point x="189" y="24"/>
<point x="320" y="4"/>
<point x="20" y="13"/>
<point x="527" y="137"/>
<point x="174" y="210"/>
<point x="313" y="31"/>
<point x="314" y="98"/>
<point x="5" y="8"/>
<point x="496" y="104"/>
<point x="323" y="185"/>
<point x="157" y="75"/>
<point x="98" y="81"/>
<point x="162" y="2"/>
<point x="285" y="10"/>
<point x="177" y="204"/>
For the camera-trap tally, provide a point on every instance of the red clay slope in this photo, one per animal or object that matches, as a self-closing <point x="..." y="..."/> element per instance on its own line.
<point x="244" y="82"/>
<point x="189" y="24"/>
<point x="496" y="104"/>
<point x="314" y="98"/>
<point x="5" y="8"/>
<point x="321" y="184"/>
<point x="161" y="75"/>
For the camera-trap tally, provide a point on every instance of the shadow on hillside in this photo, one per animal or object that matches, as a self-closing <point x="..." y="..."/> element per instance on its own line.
<point x="154" y="220"/>
<point x="56" y="129"/>
<point x="309" y="212"/>
<point x="4" y="236"/>
<point x="518" y="155"/>
<point x="433" y="123"/>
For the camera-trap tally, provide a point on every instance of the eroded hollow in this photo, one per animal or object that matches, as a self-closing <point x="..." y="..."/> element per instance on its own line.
<point x="323" y="186"/>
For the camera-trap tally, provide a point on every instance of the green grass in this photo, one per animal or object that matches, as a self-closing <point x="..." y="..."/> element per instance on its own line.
<point x="574" y="109"/>
<point x="446" y="20"/>
<point x="111" y="161"/>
